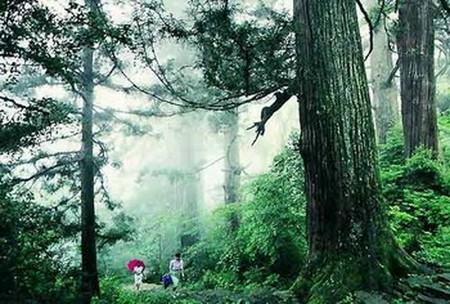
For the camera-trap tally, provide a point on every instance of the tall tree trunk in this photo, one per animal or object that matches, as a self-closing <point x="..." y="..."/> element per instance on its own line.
<point x="350" y="247"/>
<point x="418" y="87"/>
<point x="381" y="66"/>
<point x="232" y="160"/>
<point x="191" y="195"/>
<point x="90" y="284"/>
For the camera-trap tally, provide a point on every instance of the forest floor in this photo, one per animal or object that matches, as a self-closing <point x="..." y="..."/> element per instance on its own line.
<point x="145" y="287"/>
<point x="217" y="296"/>
<point x="432" y="289"/>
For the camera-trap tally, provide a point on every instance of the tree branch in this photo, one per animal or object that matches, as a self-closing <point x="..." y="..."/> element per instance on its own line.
<point x="369" y="23"/>
<point x="10" y="100"/>
<point x="391" y="75"/>
<point x="103" y="78"/>
<point x="208" y="165"/>
<point x="143" y="113"/>
<point x="40" y="157"/>
<point x="39" y="174"/>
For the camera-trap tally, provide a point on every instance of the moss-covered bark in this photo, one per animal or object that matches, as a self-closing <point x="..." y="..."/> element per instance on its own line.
<point x="350" y="246"/>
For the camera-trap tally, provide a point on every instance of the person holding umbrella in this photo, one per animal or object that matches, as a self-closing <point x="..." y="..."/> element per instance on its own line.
<point x="137" y="268"/>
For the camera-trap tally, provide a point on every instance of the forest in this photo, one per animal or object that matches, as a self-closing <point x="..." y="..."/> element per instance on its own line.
<point x="224" y="151"/>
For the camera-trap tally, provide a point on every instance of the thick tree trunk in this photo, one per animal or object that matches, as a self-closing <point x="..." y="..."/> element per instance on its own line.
<point x="90" y="284"/>
<point x="384" y="93"/>
<point x="232" y="160"/>
<point x="418" y="88"/>
<point x="350" y="247"/>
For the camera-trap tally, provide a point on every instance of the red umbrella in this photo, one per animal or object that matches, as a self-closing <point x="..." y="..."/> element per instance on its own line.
<point x="134" y="263"/>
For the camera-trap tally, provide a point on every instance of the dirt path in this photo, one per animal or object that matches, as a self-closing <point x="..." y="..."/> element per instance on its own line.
<point x="144" y="286"/>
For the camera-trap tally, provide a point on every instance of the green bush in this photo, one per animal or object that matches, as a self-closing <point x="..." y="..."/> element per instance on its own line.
<point x="418" y="194"/>
<point x="268" y="247"/>
<point x="34" y="268"/>
<point x="113" y="292"/>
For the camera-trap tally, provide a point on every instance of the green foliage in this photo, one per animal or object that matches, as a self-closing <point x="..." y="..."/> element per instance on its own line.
<point x="444" y="131"/>
<point x="243" y="57"/>
<point x="122" y="229"/>
<point x="392" y="152"/>
<point x="242" y="49"/>
<point x="34" y="32"/>
<point x="23" y="125"/>
<point x="268" y="246"/>
<point x="418" y="192"/>
<point x="32" y="257"/>
<point x="114" y="293"/>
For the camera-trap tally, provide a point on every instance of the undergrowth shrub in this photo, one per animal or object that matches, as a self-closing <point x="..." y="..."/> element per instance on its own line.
<point x="417" y="191"/>
<point x="268" y="246"/>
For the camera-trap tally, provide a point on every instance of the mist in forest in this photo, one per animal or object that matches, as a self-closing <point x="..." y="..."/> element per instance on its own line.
<point x="212" y="151"/>
<point x="161" y="169"/>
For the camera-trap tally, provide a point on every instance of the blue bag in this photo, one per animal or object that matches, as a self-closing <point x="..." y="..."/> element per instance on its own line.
<point x="166" y="280"/>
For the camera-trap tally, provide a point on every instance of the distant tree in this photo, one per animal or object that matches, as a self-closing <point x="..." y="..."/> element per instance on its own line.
<point x="382" y="70"/>
<point x="226" y="123"/>
<point x="415" y="41"/>
<point x="233" y="168"/>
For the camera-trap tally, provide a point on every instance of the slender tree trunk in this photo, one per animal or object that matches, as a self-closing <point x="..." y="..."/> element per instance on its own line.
<point x="418" y="88"/>
<point x="90" y="284"/>
<point x="232" y="160"/>
<point x="191" y="185"/>
<point x="350" y="247"/>
<point x="384" y="93"/>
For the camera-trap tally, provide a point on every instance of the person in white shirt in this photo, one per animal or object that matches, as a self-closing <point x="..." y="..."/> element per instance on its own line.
<point x="176" y="269"/>
<point x="138" y="276"/>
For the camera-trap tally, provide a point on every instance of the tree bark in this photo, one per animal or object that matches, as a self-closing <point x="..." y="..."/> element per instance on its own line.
<point x="417" y="80"/>
<point x="350" y="246"/>
<point x="232" y="160"/>
<point x="384" y="93"/>
<point x="90" y="283"/>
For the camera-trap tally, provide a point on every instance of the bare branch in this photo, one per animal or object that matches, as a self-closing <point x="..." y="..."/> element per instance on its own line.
<point x="17" y="104"/>
<point x="40" y="173"/>
<point x="104" y="78"/>
<point x="68" y="136"/>
<point x="208" y="165"/>
<point x="442" y="70"/>
<point x="391" y="75"/>
<point x="144" y="113"/>
<point x="369" y="23"/>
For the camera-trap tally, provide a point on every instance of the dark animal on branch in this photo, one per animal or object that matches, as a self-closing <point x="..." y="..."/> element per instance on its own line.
<point x="267" y="112"/>
<point x="445" y="6"/>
